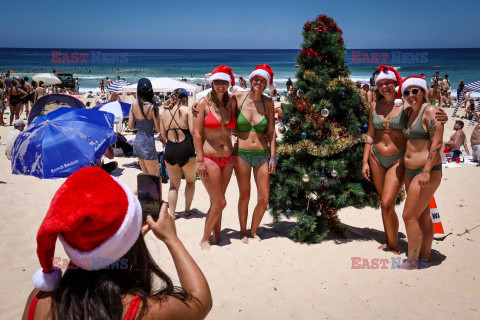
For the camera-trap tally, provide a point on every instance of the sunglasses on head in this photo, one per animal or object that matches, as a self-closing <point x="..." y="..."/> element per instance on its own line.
<point x="406" y="93"/>
<point x="220" y="82"/>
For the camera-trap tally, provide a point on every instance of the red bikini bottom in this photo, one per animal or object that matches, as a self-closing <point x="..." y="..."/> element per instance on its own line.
<point x="220" y="161"/>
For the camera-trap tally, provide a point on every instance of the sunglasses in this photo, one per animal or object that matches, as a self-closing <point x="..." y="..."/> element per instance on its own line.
<point x="406" y="93"/>
<point x="388" y="83"/>
<point x="220" y="82"/>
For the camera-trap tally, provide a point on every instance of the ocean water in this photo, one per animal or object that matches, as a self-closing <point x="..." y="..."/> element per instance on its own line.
<point x="92" y="65"/>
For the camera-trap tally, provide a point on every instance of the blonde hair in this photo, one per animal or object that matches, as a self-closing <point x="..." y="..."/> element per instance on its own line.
<point x="212" y="100"/>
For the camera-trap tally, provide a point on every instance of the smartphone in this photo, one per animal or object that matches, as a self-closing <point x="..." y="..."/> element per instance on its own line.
<point x="149" y="195"/>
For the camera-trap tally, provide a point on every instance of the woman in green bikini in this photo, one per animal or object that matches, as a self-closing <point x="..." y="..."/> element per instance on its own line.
<point x="423" y="168"/>
<point x="385" y="148"/>
<point x="255" y="152"/>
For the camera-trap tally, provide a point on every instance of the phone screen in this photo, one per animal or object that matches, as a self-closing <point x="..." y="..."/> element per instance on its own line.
<point x="149" y="194"/>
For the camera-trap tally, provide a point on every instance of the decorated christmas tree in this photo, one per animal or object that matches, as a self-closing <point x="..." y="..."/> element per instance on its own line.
<point x="325" y="122"/>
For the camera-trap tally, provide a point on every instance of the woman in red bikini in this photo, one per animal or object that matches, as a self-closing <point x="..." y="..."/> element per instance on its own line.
<point x="110" y="273"/>
<point x="212" y="128"/>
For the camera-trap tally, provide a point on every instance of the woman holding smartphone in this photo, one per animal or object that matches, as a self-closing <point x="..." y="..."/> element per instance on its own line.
<point x="212" y="127"/>
<point x="110" y="274"/>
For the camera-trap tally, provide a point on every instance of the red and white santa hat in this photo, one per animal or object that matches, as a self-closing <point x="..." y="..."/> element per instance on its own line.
<point x="387" y="72"/>
<point x="415" y="81"/>
<point x="265" y="71"/>
<point x="96" y="217"/>
<point x="223" y="72"/>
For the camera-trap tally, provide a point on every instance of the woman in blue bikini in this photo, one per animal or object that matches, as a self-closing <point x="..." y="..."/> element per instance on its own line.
<point x="423" y="167"/>
<point x="254" y="152"/>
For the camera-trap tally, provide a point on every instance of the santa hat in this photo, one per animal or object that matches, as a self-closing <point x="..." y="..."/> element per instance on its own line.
<point x="387" y="72"/>
<point x="415" y="81"/>
<point x="96" y="217"/>
<point x="265" y="71"/>
<point x="223" y="72"/>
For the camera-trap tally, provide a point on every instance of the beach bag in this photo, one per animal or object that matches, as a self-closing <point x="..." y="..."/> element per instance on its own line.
<point x="126" y="149"/>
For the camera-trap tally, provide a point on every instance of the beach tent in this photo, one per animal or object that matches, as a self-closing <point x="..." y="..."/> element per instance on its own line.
<point x="165" y="85"/>
<point x="39" y="105"/>
<point x="474" y="87"/>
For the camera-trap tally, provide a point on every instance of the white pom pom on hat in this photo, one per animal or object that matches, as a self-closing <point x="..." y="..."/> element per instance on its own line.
<point x="266" y="72"/>
<point x="96" y="217"/>
<point x="387" y="72"/>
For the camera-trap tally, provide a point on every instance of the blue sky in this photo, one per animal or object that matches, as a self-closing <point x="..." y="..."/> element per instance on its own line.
<point x="245" y="24"/>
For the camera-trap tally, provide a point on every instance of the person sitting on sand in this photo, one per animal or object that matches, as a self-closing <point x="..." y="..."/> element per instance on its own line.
<point x="212" y="127"/>
<point x="176" y="125"/>
<point x="423" y="168"/>
<point x="114" y="97"/>
<point x="110" y="273"/>
<point x="18" y="127"/>
<point x="470" y="109"/>
<point x="255" y="147"/>
<point x="458" y="139"/>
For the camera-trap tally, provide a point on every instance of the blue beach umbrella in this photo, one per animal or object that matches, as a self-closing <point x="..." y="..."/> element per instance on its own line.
<point x="57" y="144"/>
<point x="117" y="86"/>
<point x="119" y="109"/>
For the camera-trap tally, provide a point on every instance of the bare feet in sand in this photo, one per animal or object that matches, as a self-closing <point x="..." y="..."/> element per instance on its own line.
<point x="188" y="213"/>
<point x="386" y="248"/>
<point x="205" y="245"/>
<point x="256" y="237"/>
<point x="244" y="238"/>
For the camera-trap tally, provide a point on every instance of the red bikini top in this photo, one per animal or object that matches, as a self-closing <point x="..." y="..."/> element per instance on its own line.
<point x="211" y="122"/>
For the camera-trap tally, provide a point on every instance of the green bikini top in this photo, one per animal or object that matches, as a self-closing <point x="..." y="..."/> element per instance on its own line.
<point x="399" y="122"/>
<point x="416" y="130"/>
<point x="244" y="126"/>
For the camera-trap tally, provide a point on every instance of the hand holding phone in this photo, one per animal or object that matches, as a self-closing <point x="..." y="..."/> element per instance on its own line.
<point x="149" y="194"/>
<point x="164" y="227"/>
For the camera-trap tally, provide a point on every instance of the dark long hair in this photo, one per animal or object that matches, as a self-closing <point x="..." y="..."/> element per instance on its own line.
<point x="96" y="295"/>
<point x="144" y="96"/>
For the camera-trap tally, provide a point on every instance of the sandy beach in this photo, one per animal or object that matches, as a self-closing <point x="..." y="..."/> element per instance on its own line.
<point x="278" y="278"/>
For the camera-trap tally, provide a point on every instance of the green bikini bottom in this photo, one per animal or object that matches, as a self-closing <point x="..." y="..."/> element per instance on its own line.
<point x="254" y="157"/>
<point x="413" y="173"/>
<point x="389" y="161"/>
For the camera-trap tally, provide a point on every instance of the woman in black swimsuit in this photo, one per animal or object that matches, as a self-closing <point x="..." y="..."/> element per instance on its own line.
<point x="176" y="126"/>
<point x="15" y="97"/>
